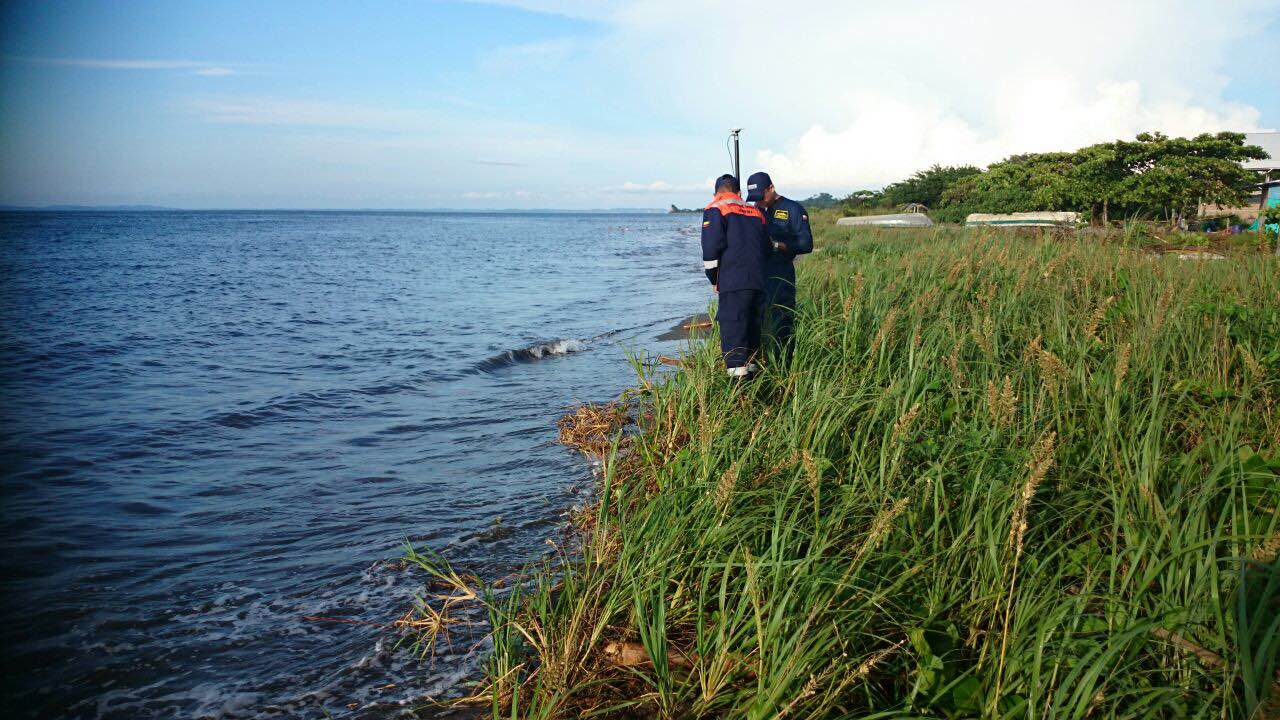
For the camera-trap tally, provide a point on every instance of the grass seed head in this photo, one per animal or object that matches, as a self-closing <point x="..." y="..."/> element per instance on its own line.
<point x="1051" y="367"/>
<point x="1001" y="403"/>
<point x="885" y="331"/>
<point x="1256" y="371"/>
<point x="902" y="428"/>
<point x="1037" y="468"/>
<point x="812" y="474"/>
<point x="724" y="488"/>
<point x="1096" y="318"/>
<point x="1122" y="363"/>
<point x="1162" y="308"/>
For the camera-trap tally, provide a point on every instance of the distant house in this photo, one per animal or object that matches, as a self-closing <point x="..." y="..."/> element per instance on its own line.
<point x="1268" y="187"/>
<point x="1270" y="143"/>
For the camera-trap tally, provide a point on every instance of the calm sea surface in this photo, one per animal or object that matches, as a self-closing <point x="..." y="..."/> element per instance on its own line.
<point x="218" y="425"/>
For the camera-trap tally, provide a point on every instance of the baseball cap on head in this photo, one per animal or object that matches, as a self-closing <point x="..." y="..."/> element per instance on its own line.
<point x="756" y="185"/>
<point x="727" y="183"/>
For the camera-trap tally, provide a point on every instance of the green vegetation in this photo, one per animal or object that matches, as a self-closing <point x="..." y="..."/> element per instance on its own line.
<point x="927" y="186"/>
<point x="1005" y="475"/>
<point x="821" y="201"/>
<point x="1153" y="177"/>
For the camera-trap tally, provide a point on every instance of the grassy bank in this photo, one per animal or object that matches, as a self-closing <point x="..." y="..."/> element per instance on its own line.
<point x="1004" y="475"/>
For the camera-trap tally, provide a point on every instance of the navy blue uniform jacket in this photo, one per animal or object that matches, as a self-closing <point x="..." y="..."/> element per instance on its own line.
<point x="787" y="223"/>
<point x="733" y="244"/>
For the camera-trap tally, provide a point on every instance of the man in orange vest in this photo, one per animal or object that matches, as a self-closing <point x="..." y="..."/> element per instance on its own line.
<point x="733" y="252"/>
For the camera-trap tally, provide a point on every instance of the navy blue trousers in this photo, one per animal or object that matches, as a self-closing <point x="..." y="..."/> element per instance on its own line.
<point x="780" y="319"/>
<point x="740" y="314"/>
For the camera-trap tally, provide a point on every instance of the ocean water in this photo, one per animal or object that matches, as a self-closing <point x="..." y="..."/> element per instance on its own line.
<point x="220" y="428"/>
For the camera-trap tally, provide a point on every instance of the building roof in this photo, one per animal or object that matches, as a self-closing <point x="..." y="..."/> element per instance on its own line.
<point x="1270" y="142"/>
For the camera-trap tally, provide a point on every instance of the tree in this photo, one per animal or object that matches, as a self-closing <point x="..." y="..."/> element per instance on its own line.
<point x="1022" y="183"/>
<point x="927" y="186"/>
<point x="1153" y="176"/>
<point x="819" y="201"/>
<point x="1173" y="176"/>
<point x="1098" y="177"/>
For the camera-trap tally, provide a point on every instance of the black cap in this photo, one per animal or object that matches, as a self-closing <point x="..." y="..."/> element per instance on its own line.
<point x="756" y="185"/>
<point x="727" y="183"/>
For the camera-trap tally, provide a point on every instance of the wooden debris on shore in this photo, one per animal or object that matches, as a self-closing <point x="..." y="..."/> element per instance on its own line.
<point x="590" y="427"/>
<point x="673" y="362"/>
<point x="630" y="654"/>
<point x="688" y="327"/>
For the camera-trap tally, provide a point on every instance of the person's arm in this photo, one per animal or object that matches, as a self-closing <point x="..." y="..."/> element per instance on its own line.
<point x="714" y="243"/>
<point x="801" y="235"/>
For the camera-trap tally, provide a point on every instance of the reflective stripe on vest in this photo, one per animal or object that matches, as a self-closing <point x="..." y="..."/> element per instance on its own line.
<point x="731" y="204"/>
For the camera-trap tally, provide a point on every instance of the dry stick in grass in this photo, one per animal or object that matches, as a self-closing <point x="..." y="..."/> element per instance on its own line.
<point x="1039" y="465"/>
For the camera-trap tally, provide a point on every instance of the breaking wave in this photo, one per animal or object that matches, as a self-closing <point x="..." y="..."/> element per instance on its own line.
<point x="537" y="351"/>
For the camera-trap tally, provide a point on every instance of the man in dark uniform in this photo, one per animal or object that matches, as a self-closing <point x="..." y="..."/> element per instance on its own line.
<point x="787" y="225"/>
<point x="733" y="250"/>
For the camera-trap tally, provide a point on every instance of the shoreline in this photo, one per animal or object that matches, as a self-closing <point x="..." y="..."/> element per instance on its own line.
<point x="983" y="486"/>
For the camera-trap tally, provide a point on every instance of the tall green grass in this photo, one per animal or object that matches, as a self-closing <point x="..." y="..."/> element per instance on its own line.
<point x="1002" y="476"/>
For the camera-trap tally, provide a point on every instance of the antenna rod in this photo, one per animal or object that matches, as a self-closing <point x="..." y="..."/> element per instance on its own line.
<point x="737" y="168"/>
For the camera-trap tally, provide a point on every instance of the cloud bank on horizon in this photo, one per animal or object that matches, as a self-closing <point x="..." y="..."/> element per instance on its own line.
<point x="591" y="103"/>
<point x="865" y="94"/>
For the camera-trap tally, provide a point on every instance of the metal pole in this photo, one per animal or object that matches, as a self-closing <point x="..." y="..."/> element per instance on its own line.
<point x="737" y="167"/>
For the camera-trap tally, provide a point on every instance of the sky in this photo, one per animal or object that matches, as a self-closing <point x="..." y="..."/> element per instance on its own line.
<point x="582" y="104"/>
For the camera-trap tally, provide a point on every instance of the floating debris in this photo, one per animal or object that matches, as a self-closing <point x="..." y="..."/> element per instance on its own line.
<point x="689" y="326"/>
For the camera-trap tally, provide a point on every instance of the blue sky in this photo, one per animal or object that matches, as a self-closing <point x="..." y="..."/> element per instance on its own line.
<point x="576" y="104"/>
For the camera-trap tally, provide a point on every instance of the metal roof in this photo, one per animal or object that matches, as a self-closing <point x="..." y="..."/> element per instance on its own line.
<point x="1270" y="142"/>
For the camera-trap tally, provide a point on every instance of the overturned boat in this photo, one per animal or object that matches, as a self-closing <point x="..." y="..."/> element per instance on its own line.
<point x="1023" y="219"/>
<point x="899" y="220"/>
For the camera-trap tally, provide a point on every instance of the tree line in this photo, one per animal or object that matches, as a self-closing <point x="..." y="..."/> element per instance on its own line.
<point x="1152" y="176"/>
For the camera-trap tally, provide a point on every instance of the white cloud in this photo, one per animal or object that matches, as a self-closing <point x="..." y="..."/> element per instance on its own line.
<point x="845" y="95"/>
<point x="579" y="9"/>
<point x="197" y="67"/>
<point x="664" y="187"/>
<point x="246" y="110"/>
<point x="542" y="56"/>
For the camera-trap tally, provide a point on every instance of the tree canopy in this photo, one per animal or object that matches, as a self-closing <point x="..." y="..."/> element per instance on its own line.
<point x="926" y="186"/>
<point x="1151" y="176"/>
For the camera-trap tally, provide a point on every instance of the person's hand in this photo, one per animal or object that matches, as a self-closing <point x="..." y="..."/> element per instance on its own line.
<point x="715" y="288"/>
<point x="780" y="247"/>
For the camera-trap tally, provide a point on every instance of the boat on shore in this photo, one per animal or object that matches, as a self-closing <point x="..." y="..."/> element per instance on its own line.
<point x="896" y="220"/>
<point x="1023" y="219"/>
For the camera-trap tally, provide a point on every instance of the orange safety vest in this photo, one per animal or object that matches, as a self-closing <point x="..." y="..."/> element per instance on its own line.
<point x="730" y="204"/>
